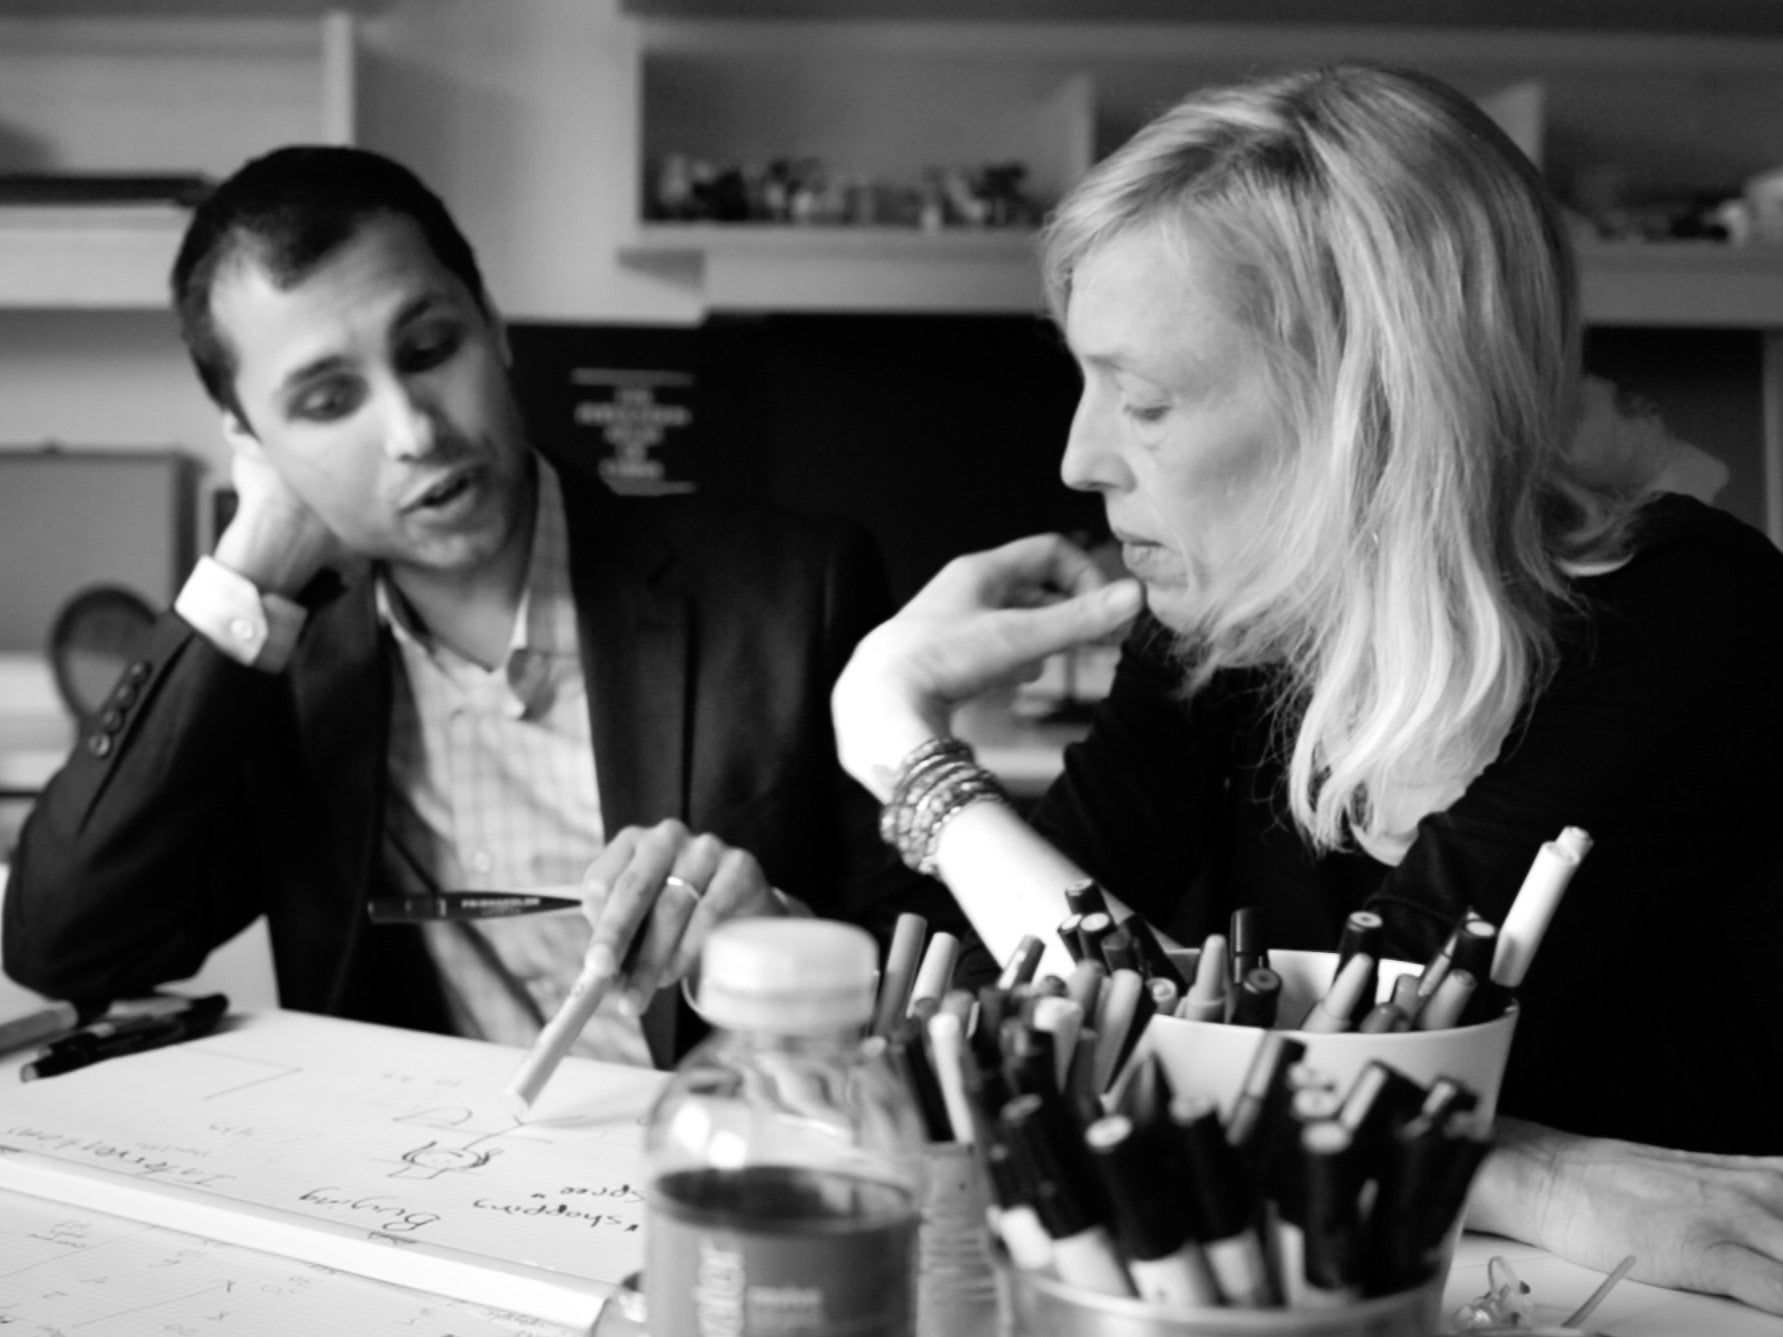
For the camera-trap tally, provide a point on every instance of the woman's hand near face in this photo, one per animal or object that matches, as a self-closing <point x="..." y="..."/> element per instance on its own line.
<point x="986" y="620"/>
<point x="1693" y="1221"/>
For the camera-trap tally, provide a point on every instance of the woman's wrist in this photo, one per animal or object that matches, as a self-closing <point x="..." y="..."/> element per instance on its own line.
<point x="935" y="781"/>
<point x="1522" y="1180"/>
<point x="876" y="729"/>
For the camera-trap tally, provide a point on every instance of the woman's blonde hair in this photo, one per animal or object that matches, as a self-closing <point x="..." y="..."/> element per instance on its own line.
<point x="1400" y="266"/>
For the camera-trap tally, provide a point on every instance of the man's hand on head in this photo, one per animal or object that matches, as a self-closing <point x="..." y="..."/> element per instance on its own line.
<point x="274" y="539"/>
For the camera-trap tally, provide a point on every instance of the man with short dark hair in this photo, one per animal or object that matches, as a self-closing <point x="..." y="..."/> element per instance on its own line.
<point x="424" y="657"/>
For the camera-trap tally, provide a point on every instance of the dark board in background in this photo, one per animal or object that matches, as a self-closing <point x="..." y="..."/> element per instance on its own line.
<point x="940" y="433"/>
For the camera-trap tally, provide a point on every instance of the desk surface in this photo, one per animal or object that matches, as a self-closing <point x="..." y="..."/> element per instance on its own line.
<point x="70" y="1267"/>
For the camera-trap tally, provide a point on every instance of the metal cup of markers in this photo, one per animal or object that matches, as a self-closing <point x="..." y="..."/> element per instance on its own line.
<point x="956" y="1290"/>
<point x="1037" y="1305"/>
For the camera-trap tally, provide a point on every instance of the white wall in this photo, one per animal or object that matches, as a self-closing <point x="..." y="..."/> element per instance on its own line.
<point x="523" y="114"/>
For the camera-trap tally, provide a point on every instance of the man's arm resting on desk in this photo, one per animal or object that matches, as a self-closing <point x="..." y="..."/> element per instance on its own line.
<point x="1693" y="1220"/>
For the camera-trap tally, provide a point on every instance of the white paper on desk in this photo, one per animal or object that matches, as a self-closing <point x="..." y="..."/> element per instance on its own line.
<point x="73" y="1270"/>
<point x="382" y="1152"/>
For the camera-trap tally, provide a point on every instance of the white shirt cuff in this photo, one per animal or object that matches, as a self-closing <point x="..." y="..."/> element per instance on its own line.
<point x="230" y="611"/>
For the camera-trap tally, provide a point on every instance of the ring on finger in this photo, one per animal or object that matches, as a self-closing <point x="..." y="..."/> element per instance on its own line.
<point x="672" y="880"/>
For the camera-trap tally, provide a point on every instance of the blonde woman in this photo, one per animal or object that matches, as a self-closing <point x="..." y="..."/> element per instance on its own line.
<point x="1384" y="637"/>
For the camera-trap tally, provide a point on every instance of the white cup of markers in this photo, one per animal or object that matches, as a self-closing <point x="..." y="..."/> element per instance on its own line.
<point x="1286" y="1147"/>
<point x="1225" y="1069"/>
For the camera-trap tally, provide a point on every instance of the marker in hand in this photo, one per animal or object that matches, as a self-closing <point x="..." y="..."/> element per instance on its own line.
<point x="599" y="968"/>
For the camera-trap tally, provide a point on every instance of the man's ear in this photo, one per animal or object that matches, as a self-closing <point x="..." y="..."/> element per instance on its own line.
<point x="500" y="327"/>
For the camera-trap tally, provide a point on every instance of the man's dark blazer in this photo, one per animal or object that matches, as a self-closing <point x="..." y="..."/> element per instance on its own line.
<point x="211" y="793"/>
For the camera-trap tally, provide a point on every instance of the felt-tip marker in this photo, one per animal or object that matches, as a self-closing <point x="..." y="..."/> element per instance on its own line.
<point x="1166" y="1266"/>
<point x="1536" y="901"/>
<point x="1362" y="934"/>
<point x="46" y="1022"/>
<point x="198" y="1020"/>
<point x="1222" y="1207"/>
<point x="1057" y="1172"/>
<point x="1206" y="996"/>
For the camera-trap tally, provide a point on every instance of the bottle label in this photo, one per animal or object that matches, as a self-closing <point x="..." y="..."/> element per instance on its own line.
<point x="774" y="1251"/>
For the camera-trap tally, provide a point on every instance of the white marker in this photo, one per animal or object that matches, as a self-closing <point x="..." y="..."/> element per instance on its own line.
<point x="598" y="970"/>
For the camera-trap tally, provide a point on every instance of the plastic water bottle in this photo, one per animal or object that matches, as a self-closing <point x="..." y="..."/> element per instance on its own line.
<point x="785" y="1151"/>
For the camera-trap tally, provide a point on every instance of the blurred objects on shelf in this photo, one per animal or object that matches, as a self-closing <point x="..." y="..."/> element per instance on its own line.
<point x="681" y="188"/>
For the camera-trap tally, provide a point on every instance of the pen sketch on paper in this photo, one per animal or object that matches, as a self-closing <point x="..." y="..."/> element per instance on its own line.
<point x="312" y="1130"/>
<point x="68" y="1272"/>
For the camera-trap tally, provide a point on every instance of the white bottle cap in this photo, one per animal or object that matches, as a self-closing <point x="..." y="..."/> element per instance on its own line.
<point x="801" y="976"/>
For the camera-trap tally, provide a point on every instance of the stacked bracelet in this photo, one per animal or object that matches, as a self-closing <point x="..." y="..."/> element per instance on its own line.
<point x="935" y="782"/>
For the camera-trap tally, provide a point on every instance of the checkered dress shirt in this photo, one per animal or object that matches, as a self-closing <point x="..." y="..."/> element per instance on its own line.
<point x="492" y="785"/>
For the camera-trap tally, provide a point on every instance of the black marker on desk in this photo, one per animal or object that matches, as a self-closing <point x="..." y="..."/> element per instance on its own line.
<point x="45" y="1023"/>
<point x="1165" y="1264"/>
<point x="117" y="1027"/>
<point x="1055" y="1166"/>
<point x="137" y="1037"/>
